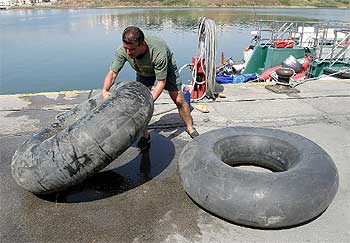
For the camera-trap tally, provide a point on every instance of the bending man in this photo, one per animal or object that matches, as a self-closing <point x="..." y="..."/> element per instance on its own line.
<point x="152" y="60"/>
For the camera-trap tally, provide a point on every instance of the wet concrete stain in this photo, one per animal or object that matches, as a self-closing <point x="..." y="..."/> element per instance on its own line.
<point x="41" y="101"/>
<point x="46" y="116"/>
<point x="130" y="170"/>
<point x="43" y="117"/>
<point x="137" y="198"/>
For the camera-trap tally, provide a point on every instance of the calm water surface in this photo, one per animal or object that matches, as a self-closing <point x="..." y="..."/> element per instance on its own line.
<point x="53" y="50"/>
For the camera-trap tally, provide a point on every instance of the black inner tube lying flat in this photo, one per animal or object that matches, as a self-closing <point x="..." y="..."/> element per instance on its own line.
<point x="303" y="185"/>
<point x="83" y="140"/>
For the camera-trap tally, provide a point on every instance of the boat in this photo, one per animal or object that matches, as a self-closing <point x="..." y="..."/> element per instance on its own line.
<point x="332" y="56"/>
<point x="319" y="48"/>
<point x="338" y="72"/>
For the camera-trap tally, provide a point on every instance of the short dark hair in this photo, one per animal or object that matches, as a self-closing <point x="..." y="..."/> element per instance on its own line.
<point x="133" y="35"/>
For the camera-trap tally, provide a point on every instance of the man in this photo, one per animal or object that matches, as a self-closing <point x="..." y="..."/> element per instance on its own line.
<point x="152" y="60"/>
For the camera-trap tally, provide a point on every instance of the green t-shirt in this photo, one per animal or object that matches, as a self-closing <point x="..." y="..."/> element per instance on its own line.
<point x="159" y="61"/>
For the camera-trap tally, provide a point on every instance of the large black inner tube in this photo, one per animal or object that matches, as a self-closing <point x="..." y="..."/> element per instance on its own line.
<point x="83" y="140"/>
<point x="303" y="185"/>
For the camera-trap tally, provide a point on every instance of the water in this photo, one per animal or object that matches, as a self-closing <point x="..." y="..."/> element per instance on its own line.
<point x="54" y="50"/>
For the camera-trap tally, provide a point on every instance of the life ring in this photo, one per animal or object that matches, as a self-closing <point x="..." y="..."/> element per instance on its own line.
<point x="83" y="140"/>
<point x="304" y="185"/>
<point x="283" y="43"/>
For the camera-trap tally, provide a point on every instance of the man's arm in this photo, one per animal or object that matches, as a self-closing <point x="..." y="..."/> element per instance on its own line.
<point x="108" y="82"/>
<point x="158" y="89"/>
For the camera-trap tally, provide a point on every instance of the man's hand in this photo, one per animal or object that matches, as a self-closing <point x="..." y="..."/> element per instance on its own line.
<point x="107" y="83"/>
<point x="105" y="94"/>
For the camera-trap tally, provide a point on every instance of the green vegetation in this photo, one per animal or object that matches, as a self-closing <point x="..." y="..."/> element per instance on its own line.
<point x="204" y="3"/>
<point x="317" y="3"/>
<point x="176" y="2"/>
<point x="285" y="2"/>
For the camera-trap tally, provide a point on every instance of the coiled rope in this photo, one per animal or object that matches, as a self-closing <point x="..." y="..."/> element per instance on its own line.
<point x="206" y="50"/>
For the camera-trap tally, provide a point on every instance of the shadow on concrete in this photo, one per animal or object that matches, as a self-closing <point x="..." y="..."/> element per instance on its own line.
<point x="169" y="123"/>
<point x="143" y="166"/>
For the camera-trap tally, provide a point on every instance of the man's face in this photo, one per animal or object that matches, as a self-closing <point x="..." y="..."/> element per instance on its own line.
<point x="134" y="50"/>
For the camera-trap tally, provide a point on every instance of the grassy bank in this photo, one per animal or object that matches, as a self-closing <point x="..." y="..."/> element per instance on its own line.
<point x="317" y="3"/>
<point x="203" y="3"/>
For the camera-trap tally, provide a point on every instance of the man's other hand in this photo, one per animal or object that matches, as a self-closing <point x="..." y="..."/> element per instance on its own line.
<point x="105" y="94"/>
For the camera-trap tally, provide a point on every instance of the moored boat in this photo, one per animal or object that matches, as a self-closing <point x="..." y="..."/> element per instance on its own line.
<point x="320" y="48"/>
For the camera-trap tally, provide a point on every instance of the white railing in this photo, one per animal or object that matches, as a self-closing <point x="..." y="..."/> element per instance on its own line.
<point x="304" y="34"/>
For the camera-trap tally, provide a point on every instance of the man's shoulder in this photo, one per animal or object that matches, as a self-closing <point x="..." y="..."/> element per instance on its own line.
<point x="155" y="41"/>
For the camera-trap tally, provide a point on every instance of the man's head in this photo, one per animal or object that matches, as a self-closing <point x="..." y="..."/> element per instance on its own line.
<point x="134" y="42"/>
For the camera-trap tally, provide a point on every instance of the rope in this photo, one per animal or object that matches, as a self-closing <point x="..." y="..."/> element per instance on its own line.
<point x="206" y="50"/>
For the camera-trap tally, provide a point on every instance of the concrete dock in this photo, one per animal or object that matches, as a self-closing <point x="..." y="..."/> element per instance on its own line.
<point x="139" y="196"/>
